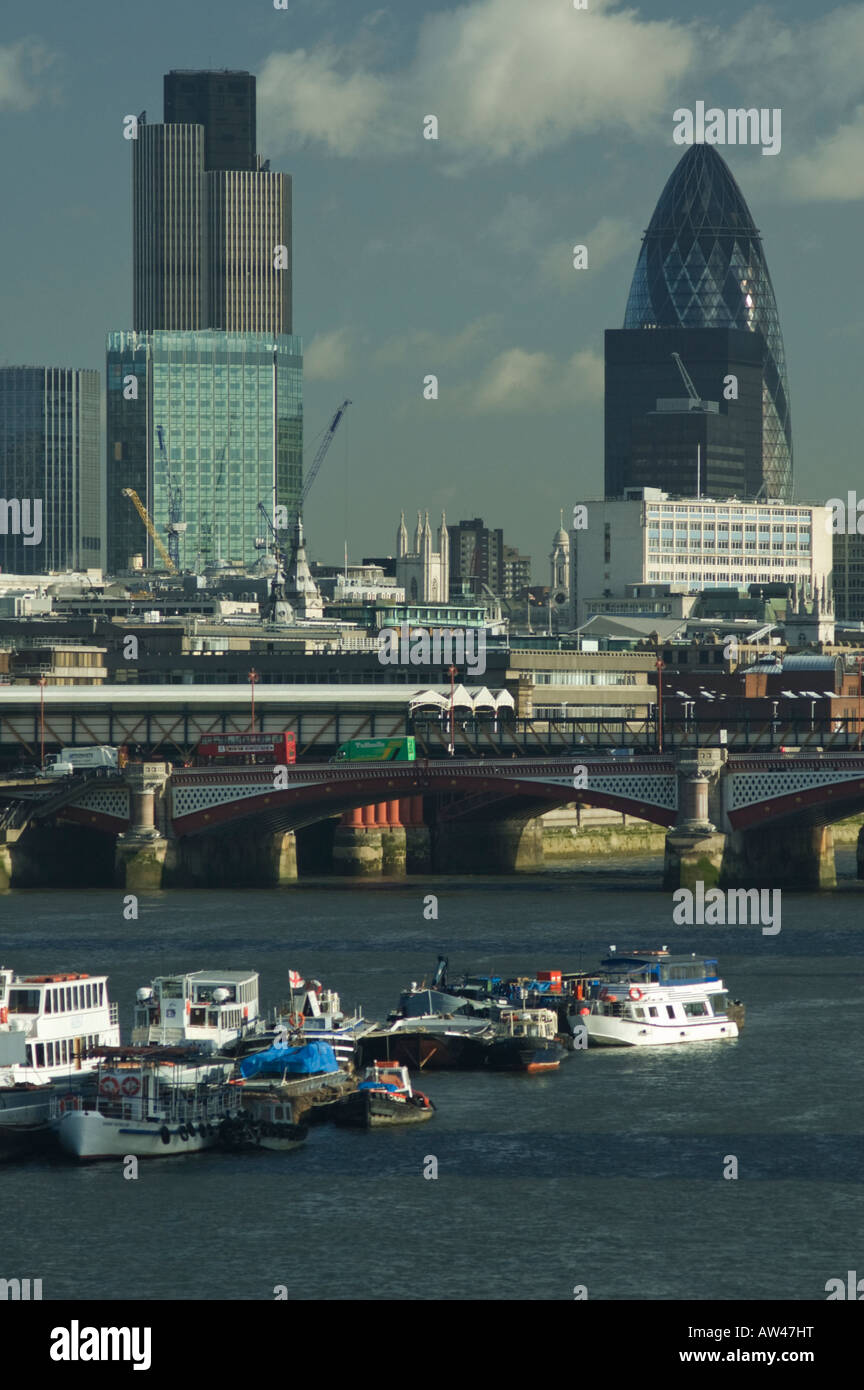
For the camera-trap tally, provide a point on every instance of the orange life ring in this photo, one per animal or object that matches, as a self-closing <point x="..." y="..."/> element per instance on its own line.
<point x="109" y="1086"/>
<point x="69" y="1102"/>
<point x="635" y="993"/>
<point x="131" y="1086"/>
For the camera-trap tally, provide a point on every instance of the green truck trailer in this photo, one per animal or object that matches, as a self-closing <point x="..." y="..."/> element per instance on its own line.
<point x="377" y="750"/>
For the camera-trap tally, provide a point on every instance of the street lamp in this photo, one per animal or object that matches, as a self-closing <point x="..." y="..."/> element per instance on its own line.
<point x="42" y="683"/>
<point x="253" y="676"/>
<point x="451" y="748"/>
<point x="860" y="663"/>
<point x="659" y="705"/>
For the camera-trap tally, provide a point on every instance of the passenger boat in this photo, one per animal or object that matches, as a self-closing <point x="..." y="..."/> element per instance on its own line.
<point x="49" y="1027"/>
<point x="649" y="998"/>
<point x="136" y="1111"/>
<point x="266" y="1121"/>
<point x="210" y="1008"/>
<point x="383" y="1098"/>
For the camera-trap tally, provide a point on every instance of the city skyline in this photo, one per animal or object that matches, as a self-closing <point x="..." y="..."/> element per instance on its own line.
<point x="399" y="275"/>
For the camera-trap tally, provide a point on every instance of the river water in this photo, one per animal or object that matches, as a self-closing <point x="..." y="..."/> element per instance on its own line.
<point x="607" y="1174"/>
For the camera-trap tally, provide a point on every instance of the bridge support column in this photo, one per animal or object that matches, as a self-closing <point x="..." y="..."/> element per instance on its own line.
<point x="691" y="858"/>
<point x="143" y="856"/>
<point x="357" y="844"/>
<point x="792" y="856"/>
<point x="5" y="862"/>
<point x="488" y="847"/>
<point x="860" y="852"/>
<point x="266" y="860"/>
<point x="394" y="850"/>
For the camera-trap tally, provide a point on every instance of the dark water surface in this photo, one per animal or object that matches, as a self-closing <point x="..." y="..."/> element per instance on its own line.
<point x="608" y="1173"/>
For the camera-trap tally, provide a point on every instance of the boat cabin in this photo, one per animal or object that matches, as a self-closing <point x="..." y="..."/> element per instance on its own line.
<point x="207" y="1007"/>
<point x="59" y="1018"/>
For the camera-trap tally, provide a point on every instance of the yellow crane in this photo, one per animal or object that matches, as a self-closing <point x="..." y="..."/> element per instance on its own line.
<point x="154" y="534"/>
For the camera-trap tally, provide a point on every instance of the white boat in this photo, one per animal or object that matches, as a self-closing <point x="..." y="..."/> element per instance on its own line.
<point x="649" y="998"/>
<point x="315" y="1014"/>
<point x="207" y="1009"/>
<point x="50" y="1026"/>
<point x="136" y="1111"/>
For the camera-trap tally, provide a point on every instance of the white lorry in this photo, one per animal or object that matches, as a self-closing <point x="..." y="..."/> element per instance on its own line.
<point x="71" y="760"/>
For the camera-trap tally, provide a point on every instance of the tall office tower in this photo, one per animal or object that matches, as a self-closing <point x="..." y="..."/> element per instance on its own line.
<point x="701" y="289"/>
<point x="49" y="467"/>
<point x="224" y="104"/>
<point x="204" y="396"/>
<point x="476" y="557"/>
<point x="212" y="223"/>
<point x="169" y="223"/>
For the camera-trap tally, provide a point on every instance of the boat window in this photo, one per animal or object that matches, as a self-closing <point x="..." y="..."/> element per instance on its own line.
<point x="652" y="1012"/>
<point x="75" y="1003"/>
<point x="68" y="993"/>
<point x="101" y="987"/>
<point x="89" y="997"/>
<point x="640" y="1013"/>
<point x="47" y="1001"/>
<point x="670" y="1010"/>
<point x="64" y="1055"/>
<point x="196" y="1018"/>
<point x="24" y="1001"/>
<point x="696" y="1008"/>
<point x="718" y="1003"/>
<point x="40" y="1054"/>
<point x="49" y="1052"/>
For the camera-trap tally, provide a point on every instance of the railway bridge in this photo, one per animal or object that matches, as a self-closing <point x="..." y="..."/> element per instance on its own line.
<point x="752" y="820"/>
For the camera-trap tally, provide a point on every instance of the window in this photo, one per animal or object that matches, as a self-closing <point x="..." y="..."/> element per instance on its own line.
<point x="718" y="1003"/>
<point x="49" y="1047"/>
<point x="652" y="1012"/>
<point x="24" y="1001"/>
<point x="48" y="1001"/>
<point x="696" y="1008"/>
<point x="670" y="1010"/>
<point x="640" y="1013"/>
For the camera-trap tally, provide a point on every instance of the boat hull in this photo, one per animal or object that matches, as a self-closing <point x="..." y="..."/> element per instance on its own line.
<point x="376" y="1110"/>
<point x="524" y="1054"/>
<point x="622" y="1032"/>
<point x="425" y="1051"/>
<point x="88" y="1135"/>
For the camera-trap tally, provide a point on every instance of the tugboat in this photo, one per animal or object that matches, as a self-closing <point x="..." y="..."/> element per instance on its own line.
<point x="649" y="998"/>
<point x="49" y="1026"/>
<point x="383" y="1098"/>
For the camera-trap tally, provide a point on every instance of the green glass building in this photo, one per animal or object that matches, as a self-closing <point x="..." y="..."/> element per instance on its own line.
<point x="204" y="426"/>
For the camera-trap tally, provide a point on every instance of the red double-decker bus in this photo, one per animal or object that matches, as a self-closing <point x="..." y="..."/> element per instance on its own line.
<point x="248" y="748"/>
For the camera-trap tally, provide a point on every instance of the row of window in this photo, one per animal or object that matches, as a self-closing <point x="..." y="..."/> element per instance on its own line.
<point x="60" y="1053"/>
<point x="723" y="513"/>
<point x="581" y="677"/>
<point x="66" y="999"/>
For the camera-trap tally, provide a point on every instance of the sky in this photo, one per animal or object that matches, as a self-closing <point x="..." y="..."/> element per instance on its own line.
<point x="453" y="256"/>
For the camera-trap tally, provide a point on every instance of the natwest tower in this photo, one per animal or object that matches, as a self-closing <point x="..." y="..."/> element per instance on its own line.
<point x="701" y="289"/>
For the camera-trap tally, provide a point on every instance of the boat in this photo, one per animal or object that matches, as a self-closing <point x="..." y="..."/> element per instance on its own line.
<point x="266" y="1121"/>
<point x="210" y="1008"/>
<point x="526" y="1040"/>
<point x="313" y="1014"/>
<point x="494" y="997"/>
<point x="431" y="1042"/>
<point x="384" y="1097"/>
<point x="650" y="999"/>
<point x="137" y="1112"/>
<point x="49" y="1028"/>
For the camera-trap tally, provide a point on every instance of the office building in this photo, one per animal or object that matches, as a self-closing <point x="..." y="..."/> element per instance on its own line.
<point x="701" y="289"/>
<point x="50" y="510"/>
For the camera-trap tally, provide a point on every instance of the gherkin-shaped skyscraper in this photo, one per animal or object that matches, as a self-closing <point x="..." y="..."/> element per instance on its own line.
<point x="701" y="288"/>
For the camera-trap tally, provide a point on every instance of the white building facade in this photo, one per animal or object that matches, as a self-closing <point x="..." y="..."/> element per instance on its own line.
<point x="695" y="544"/>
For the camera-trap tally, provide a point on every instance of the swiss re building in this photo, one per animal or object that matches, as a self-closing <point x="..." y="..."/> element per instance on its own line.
<point x="701" y="289"/>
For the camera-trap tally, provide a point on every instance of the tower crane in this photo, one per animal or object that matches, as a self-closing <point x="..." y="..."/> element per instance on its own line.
<point x="175" y="502"/>
<point x="153" y="533"/>
<point x="696" y="402"/>
<point x="320" y="455"/>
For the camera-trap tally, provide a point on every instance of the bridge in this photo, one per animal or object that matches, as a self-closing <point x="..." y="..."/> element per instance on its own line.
<point x="748" y="819"/>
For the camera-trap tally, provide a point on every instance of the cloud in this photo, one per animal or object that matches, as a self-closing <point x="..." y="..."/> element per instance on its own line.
<point x="326" y="357"/>
<point x="530" y="381"/>
<point x="834" y="169"/>
<point x="437" y="349"/>
<point x="20" y="64"/>
<point x="307" y="97"/>
<point x="505" y="78"/>
<point x="611" y="238"/>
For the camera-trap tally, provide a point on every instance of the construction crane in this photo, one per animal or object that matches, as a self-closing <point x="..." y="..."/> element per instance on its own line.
<point x="314" y="468"/>
<point x="175" y="502"/>
<point x="696" y="402"/>
<point x="153" y="533"/>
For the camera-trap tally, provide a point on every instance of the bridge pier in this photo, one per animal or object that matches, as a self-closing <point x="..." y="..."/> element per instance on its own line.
<point x="691" y="858"/>
<point x="143" y="857"/>
<point x="6" y="859"/>
<point x="506" y="846"/>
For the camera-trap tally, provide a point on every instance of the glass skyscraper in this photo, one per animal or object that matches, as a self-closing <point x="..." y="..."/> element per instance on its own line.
<point x="49" y="453"/>
<point x="203" y="426"/>
<point x="701" y="288"/>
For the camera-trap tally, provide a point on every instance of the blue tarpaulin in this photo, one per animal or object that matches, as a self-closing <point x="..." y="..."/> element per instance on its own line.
<point x="296" y="1061"/>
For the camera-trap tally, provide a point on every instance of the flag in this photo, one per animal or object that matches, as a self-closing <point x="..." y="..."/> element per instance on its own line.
<point x="294" y="979"/>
